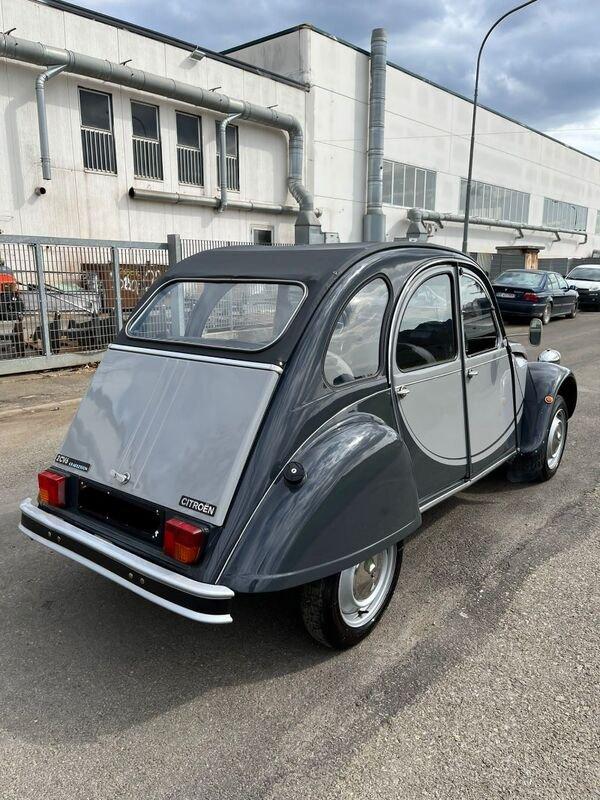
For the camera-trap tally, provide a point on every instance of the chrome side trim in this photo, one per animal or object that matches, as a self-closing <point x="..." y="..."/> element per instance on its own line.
<point x="280" y="473"/>
<point x="137" y="564"/>
<point x="466" y="484"/>
<point x="191" y="357"/>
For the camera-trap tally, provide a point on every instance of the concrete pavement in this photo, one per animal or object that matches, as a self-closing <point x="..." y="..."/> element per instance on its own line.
<point x="480" y="682"/>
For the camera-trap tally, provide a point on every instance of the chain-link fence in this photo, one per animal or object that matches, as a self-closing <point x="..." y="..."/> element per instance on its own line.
<point x="62" y="301"/>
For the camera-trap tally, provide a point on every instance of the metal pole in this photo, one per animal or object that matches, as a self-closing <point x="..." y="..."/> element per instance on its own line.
<point x="38" y="256"/>
<point x="116" y="278"/>
<point x="174" y="249"/>
<point x="474" y="120"/>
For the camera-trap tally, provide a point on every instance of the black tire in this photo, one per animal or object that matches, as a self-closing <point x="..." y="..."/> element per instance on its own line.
<point x="573" y="313"/>
<point x="531" y="467"/>
<point x="547" y="314"/>
<point x="322" y="616"/>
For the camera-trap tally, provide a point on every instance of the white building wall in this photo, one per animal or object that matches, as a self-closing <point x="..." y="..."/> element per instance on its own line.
<point x="429" y="127"/>
<point x="86" y="204"/>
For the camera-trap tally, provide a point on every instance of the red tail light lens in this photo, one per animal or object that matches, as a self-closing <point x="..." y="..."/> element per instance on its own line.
<point x="52" y="489"/>
<point x="183" y="541"/>
<point x="531" y="297"/>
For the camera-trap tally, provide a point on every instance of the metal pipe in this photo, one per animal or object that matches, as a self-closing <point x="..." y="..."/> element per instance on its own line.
<point x="223" y="159"/>
<point x="474" y="121"/>
<point x="40" y="95"/>
<point x="374" y="220"/>
<point x="419" y="215"/>
<point x="175" y="198"/>
<point x="308" y="228"/>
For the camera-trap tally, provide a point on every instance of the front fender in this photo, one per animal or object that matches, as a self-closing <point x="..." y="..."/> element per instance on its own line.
<point x="358" y="496"/>
<point x="544" y="380"/>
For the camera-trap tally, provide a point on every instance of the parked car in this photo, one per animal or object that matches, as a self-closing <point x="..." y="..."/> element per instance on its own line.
<point x="300" y="447"/>
<point x="535" y="293"/>
<point x="586" y="280"/>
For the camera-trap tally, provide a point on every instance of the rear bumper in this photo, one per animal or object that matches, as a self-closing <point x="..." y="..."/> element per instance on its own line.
<point x="201" y="602"/>
<point x="518" y="308"/>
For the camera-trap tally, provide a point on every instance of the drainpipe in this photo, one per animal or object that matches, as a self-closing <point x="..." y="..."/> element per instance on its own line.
<point x="223" y="159"/>
<point x="40" y="95"/>
<point x="374" y="220"/>
<point x="307" y="228"/>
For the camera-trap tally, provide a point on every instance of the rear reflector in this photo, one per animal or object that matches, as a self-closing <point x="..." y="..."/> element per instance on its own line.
<point x="183" y="541"/>
<point x="52" y="489"/>
<point x="531" y="297"/>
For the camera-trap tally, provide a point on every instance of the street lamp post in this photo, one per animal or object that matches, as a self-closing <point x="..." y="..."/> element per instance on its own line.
<point x="474" y="120"/>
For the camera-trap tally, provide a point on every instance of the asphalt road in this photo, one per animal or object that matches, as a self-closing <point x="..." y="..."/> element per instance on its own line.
<point x="482" y="681"/>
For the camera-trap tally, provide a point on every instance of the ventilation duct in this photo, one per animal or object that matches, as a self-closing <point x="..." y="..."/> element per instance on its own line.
<point x="374" y="220"/>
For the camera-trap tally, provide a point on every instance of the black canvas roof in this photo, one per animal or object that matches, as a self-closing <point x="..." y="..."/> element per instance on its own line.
<point x="317" y="267"/>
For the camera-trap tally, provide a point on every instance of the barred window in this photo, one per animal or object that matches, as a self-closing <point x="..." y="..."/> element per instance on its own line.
<point x="495" y="202"/>
<point x="559" y="214"/>
<point x="147" y="151"/>
<point x="232" y="157"/>
<point x="97" y="135"/>
<point x="189" y="149"/>
<point x="405" y="185"/>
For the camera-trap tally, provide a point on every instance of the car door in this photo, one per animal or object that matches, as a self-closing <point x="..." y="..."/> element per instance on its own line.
<point x="559" y="299"/>
<point x="427" y="377"/>
<point x="488" y="378"/>
<point x="570" y="295"/>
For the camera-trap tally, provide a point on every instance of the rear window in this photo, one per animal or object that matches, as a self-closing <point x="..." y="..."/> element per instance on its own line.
<point x="226" y="314"/>
<point x="526" y="279"/>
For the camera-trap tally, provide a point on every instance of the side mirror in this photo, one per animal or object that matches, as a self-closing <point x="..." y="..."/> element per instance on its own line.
<point x="535" y="331"/>
<point x="549" y="356"/>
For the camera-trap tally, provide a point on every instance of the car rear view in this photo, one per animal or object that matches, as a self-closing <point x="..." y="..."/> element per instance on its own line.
<point x="150" y="464"/>
<point x="521" y="293"/>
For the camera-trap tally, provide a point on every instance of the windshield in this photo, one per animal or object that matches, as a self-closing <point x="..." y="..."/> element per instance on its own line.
<point x="585" y="274"/>
<point x="225" y="314"/>
<point x="527" y="279"/>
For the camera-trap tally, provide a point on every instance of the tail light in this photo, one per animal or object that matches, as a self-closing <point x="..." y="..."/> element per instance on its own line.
<point x="183" y="541"/>
<point x="52" y="489"/>
<point x="531" y="297"/>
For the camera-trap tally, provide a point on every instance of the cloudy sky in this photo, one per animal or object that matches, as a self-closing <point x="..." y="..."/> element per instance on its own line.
<point x="542" y="65"/>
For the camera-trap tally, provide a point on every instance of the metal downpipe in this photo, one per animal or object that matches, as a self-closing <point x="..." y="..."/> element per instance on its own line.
<point x="40" y="96"/>
<point x="374" y="220"/>
<point x="223" y="159"/>
<point x="308" y="228"/>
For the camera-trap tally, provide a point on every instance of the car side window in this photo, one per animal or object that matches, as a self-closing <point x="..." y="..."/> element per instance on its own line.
<point x="555" y="282"/>
<point x="479" y="325"/>
<point x="354" y="347"/>
<point x="427" y="332"/>
<point x="562" y="283"/>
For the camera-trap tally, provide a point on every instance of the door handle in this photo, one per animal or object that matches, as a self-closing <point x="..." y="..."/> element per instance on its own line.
<point x="402" y="391"/>
<point x="471" y="373"/>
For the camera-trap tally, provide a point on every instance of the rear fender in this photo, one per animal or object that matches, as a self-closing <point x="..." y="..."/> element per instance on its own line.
<point x="544" y="383"/>
<point x="357" y="497"/>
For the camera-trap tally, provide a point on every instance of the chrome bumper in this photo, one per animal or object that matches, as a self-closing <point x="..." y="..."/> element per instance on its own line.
<point x="201" y="602"/>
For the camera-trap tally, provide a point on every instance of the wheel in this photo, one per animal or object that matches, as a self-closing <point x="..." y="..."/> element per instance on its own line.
<point x="573" y="313"/>
<point x="339" y="611"/>
<point x="544" y="463"/>
<point x="547" y="314"/>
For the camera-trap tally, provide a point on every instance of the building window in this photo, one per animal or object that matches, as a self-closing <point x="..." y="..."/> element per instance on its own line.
<point x="495" y="202"/>
<point x="569" y="216"/>
<point x="147" y="152"/>
<point x="262" y="235"/>
<point x="232" y="156"/>
<point x="189" y="149"/>
<point x="404" y="185"/>
<point x="97" y="135"/>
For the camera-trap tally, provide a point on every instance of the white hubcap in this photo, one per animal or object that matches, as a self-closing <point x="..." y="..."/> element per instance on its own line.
<point x="556" y="439"/>
<point x="364" y="588"/>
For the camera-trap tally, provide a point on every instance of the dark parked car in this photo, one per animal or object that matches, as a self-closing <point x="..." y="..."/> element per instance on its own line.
<point x="298" y="441"/>
<point x="535" y="293"/>
<point x="586" y="279"/>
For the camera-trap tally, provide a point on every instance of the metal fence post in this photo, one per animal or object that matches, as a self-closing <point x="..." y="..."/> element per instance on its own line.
<point x="116" y="277"/>
<point x="38" y="256"/>
<point x="174" y="248"/>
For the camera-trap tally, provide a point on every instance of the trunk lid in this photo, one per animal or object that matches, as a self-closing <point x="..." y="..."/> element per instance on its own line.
<point x="169" y="428"/>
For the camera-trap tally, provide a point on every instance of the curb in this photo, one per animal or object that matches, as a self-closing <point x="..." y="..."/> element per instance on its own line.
<point x="13" y="412"/>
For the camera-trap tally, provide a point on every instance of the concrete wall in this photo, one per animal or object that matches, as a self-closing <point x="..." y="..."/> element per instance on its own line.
<point x="82" y="203"/>
<point x="427" y="127"/>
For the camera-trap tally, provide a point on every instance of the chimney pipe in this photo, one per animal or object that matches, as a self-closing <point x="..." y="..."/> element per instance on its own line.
<point x="374" y="220"/>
